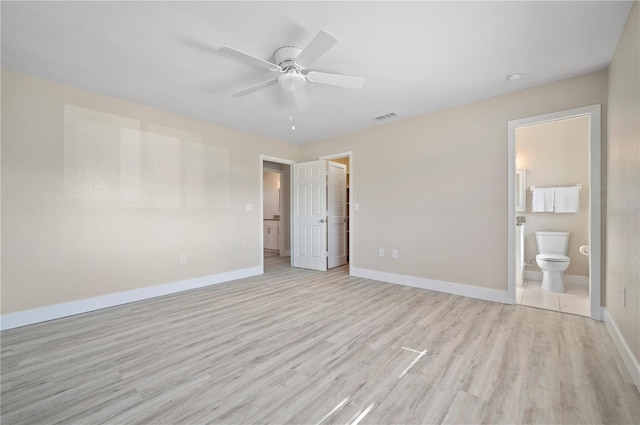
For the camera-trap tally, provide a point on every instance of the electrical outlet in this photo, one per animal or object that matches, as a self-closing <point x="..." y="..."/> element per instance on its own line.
<point x="381" y="252"/>
<point x="394" y="253"/>
<point x="624" y="297"/>
<point x="183" y="258"/>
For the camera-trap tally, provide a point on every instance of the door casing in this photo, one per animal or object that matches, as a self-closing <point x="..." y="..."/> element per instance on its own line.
<point x="595" y="199"/>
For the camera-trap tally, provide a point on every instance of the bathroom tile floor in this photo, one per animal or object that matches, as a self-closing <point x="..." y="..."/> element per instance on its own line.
<point x="574" y="299"/>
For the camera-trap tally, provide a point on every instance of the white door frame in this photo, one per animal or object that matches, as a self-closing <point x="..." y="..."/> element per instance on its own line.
<point x="261" y="218"/>
<point x="595" y="202"/>
<point x="349" y="155"/>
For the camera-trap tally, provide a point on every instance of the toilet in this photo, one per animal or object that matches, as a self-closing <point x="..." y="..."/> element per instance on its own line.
<point x="552" y="259"/>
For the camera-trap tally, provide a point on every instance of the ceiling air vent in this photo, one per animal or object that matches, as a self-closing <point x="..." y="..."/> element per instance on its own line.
<point x="385" y="116"/>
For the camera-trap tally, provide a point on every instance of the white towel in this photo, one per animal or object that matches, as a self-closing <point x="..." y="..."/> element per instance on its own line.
<point x="567" y="199"/>
<point x="542" y="199"/>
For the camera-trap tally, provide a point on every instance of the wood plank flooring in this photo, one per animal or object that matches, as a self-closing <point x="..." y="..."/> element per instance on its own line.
<point x="304" y="347"/>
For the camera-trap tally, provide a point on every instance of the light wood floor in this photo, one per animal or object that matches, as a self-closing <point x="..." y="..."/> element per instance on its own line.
<point x="306" y="347"/>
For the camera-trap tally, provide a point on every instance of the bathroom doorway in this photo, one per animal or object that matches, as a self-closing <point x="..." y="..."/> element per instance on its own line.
<point x="558" y="151"/>
<point x="275" y="194"/>
<point x="272" y="182"/>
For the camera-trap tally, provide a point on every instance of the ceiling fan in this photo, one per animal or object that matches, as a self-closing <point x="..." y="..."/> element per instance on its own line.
<point x="291" y="63"/>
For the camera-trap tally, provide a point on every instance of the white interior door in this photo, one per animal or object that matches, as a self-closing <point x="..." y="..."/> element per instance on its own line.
<point x="309" y="249"/>
<point x="337" y="214"/>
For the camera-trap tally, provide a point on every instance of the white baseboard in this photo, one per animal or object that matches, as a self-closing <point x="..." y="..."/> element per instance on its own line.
<point x="433" y="285"/>
<point x="571" y="279"/>
<point x="56" y="311"/>
<point x="623" y="348"/>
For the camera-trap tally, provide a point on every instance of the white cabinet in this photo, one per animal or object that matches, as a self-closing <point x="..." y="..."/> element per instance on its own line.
<point x="271" y="234"/>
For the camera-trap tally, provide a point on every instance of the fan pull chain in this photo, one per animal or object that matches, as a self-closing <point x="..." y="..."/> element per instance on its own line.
<point x="293" y="124"/>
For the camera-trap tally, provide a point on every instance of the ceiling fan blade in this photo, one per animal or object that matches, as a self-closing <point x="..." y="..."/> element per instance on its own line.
<point x="301" y="99"/>
<point x="248" y="59"/>
<point x="256" y="87"/>
<point x="318" y="47"/>
<point x="336" y="80"/>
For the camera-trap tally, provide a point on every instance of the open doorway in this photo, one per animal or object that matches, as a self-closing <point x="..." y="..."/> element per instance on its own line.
<point x="522" y="244"/>
<point x="285" y="199"/>
<point x="276" y="207"/>
<point x="272" y="210"/>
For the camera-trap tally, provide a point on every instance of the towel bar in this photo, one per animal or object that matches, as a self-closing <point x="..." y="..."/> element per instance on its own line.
<point x="579" y="186"/>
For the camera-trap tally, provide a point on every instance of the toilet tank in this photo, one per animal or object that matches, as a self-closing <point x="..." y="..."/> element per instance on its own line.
<point x="553" y="242"/>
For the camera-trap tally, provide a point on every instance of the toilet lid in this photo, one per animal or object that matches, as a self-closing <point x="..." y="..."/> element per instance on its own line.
<point x="556" y="258"/>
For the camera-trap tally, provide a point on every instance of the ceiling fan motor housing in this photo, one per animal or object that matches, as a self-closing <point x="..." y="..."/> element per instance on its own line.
<point x="286" y="56"/>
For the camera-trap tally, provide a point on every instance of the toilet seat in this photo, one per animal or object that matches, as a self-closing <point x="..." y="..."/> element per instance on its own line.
<point x="554" y="258"/>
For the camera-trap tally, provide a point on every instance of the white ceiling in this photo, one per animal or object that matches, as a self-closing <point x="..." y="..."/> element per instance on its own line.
<point x="417" y="57"/>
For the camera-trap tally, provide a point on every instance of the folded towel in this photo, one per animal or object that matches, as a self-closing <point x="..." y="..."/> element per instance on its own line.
<point x="567" y="199"/>
<point x="542" y="199"/>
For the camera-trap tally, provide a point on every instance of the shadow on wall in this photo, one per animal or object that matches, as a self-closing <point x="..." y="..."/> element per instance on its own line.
<point x="110" y="162"/>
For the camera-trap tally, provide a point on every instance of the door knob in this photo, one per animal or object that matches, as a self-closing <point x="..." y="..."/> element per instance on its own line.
<point x="322" y="220"/>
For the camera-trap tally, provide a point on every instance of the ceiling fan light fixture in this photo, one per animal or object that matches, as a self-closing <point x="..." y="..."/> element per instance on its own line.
<point x="292" y="81"/>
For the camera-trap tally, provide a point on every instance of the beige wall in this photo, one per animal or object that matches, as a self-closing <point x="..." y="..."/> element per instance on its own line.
<point x="557" y="154"/>
<point x="84" y="215"/>
<point x="623" y="184"/>
<point x="434" y="187"/>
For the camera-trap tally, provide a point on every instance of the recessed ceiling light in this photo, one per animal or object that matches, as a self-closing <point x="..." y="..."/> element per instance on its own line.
<point x="514" y="76"/>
